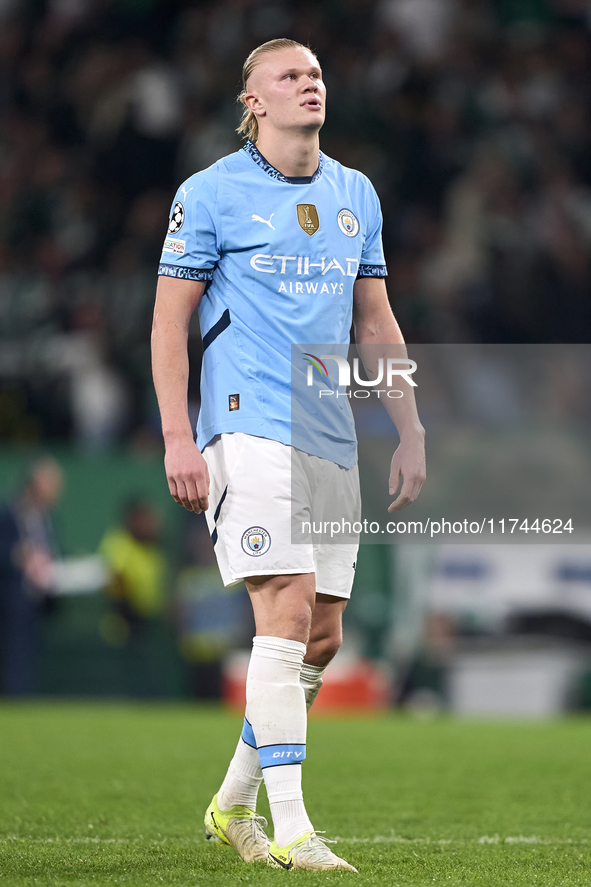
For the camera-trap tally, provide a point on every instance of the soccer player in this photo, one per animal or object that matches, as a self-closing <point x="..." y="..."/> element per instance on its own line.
<point x="275" y="244"/>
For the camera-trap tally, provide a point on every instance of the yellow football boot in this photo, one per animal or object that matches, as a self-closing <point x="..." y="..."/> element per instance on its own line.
<point x="239" y="827"/>
<point x="308" y="852"/>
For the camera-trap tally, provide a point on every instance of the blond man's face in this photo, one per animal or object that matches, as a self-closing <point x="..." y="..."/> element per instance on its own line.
<point x="286" y="91"/>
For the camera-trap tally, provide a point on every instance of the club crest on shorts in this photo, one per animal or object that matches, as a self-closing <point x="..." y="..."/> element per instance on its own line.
<point x="308" y="218"/>
<point x="255" y="541"/>
<point x="348" y="223"/>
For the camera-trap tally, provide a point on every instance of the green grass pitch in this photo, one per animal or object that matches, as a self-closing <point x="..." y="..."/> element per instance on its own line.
<point x="107" y="794"/>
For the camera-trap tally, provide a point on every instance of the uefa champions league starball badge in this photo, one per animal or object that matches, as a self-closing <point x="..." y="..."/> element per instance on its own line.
<point x="177" y="218"/>
<point x="255" y="541"/>
<point x="348" y="223"/>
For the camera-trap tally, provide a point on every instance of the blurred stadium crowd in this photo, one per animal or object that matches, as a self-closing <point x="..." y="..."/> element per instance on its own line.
<point x="470" y="116"/>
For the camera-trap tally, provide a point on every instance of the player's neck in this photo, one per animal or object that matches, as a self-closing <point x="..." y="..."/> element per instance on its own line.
<point x="296" y="156"/>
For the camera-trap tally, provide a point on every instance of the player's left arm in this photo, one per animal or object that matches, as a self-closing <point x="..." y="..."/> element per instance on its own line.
<point x="375" y="325"/>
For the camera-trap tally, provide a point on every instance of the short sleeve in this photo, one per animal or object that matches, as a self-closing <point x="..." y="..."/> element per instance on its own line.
<point x="372" y="262"/>
<point x="190" y="248"/>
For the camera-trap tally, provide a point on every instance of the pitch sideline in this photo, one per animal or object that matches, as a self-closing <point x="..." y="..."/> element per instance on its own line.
<point x="378" y="839"/>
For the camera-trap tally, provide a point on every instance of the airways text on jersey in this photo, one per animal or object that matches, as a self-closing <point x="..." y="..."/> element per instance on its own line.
<point x="306" y="266"/>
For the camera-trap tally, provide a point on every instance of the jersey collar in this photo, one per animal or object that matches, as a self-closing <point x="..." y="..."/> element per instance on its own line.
<point x="258" y="158"/>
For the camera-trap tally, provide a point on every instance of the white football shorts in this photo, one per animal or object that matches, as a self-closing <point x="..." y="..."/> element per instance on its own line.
<point x="251" y="509"/>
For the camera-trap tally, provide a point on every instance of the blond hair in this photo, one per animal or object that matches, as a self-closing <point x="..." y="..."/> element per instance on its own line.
<point x="249" y="126"/>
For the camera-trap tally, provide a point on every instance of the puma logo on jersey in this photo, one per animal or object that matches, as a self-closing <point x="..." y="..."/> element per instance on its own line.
<point x="185" y="192"/>
<point x="256" y="218"/>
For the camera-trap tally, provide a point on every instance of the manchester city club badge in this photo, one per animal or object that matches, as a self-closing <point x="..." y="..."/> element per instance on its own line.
<point x="256" y="541"/>
<point x="308" y="218"/>
<point x="348" y="223"/>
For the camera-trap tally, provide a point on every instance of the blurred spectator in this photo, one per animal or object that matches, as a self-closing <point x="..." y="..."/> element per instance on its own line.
<point x="137" y="564"/>
<point x="423" y="686"/>
<point x="97" y="391"/>
<point x="27" y="558"/>
<point x="211" y="619"/>
<point x="424" y="26"/>
<point x="137" y="594"/>
<point x="471" y="116"/>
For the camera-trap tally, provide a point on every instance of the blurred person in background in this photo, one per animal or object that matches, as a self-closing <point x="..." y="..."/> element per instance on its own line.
<point x="27" y="558"/>
<point x="98" y="396"/>
<point x="211" y="619"/>
<point x="138" y="574"/>
<point x="422" y="684"/>
<point x="470" y="117"/>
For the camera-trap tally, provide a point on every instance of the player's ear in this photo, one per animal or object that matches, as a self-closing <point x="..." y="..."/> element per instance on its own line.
<point x="254" y="104"/>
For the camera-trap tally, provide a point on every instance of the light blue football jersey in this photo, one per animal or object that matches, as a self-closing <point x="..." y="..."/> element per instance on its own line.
<point x="280" y="256"/>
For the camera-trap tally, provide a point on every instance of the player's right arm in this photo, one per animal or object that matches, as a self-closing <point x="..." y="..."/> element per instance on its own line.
<point x="186" y="469"/>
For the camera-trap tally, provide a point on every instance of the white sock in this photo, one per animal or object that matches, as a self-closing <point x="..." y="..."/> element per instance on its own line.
<point x="311" y="681"/>
<point x="290" y="821"/>
<point x="244" y="775"/>
<point x="276" y="707"/>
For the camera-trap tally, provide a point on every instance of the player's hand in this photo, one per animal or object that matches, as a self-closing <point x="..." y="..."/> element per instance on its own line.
<point x="408" y="463"/>
<point x="187" y="475"/>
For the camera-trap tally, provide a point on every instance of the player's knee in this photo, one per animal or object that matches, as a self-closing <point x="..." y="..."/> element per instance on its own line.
<point x="303" y="619"/>
<point x="322" y="650"/>
<point x="332" y="646"/>
<point x="296" y="623"/>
